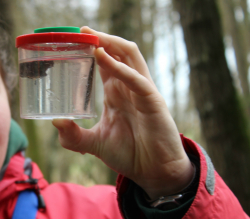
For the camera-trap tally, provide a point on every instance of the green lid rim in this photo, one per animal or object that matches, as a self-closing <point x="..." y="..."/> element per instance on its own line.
<point x="58" y="29"/>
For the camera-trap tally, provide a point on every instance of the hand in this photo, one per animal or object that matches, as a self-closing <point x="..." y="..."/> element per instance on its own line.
<point x="136" y="135"/>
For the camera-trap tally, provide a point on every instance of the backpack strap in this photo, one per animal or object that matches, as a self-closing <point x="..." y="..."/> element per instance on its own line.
<point x="26" y="206"/>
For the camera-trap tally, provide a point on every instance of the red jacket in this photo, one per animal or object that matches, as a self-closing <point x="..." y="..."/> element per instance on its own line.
<point x="70" y="201"/>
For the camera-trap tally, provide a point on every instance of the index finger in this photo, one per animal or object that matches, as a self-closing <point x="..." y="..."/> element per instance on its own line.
<point x="126" y="50"/>
<point x="113" y="44"/>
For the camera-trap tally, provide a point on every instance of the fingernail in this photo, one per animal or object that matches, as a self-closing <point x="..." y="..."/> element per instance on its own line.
<point x="84" y="27"/>
<point x="58" y="123"/>
<point x="99" y="51"/>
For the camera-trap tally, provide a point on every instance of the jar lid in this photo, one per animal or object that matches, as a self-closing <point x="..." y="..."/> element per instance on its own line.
<point x="57" y="29"/>
<point x="56" y="35"/>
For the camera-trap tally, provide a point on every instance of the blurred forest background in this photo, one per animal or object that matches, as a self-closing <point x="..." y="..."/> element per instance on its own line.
<point x="198" y="52"/>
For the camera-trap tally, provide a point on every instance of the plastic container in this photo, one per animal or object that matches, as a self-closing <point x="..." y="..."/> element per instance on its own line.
<point x="57" y="73"/>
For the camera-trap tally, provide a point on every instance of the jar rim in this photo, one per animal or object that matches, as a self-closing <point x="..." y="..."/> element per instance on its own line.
<point x="56" y="37"/>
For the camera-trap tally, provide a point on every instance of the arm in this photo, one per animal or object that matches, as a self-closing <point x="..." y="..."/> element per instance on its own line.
<point x="136" y="135"/>
<point x="212" y="199"/>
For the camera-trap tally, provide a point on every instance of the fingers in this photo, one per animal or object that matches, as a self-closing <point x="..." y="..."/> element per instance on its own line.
<point x="127" y="51"/>
<point x="130" y="77"/>
<point x="74" y="138"/>
<point x="113" y="44"/>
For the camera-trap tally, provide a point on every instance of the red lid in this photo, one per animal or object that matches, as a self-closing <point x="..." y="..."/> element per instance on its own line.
<point x="56" y="37"/>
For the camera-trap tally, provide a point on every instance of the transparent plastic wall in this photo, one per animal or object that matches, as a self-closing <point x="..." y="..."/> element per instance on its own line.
<point x="57" y="80"/>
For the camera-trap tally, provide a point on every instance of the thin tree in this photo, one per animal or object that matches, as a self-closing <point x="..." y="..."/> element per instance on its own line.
<point x="239" y="34"/>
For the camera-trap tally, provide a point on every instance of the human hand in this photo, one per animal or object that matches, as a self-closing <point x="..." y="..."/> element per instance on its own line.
<point x="136" y="135"/>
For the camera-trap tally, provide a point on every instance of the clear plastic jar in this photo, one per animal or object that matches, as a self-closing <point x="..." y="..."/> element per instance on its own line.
<point x="57" y="74"/>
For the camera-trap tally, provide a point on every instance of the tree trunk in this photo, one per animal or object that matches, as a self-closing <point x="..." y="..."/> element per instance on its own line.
<point x="174" y="66"/>
<point x="239" y="35"/>
<point x="223" y="122"/>
<point x="244" y="6"/>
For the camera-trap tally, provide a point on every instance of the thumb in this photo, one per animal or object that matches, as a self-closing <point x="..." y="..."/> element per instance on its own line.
<point x="73" y="137"/>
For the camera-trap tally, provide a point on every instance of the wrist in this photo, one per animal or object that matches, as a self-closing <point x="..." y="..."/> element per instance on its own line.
<point x="172" y="183"/>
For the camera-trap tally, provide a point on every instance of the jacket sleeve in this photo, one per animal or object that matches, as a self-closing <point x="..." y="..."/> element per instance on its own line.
<point x="213" y="198"/>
